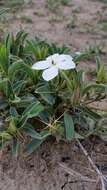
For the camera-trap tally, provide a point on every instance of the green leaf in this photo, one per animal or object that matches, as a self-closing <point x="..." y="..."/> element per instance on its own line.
<point x="46" y="94"/>
<point x="3" y="103"/>
<point x="20" y="66"/>
<point x="88" y="112"/>
<point x="19" y="86"/>
<point x="8" y="42"/>
<point x="44" y="116"/>
<point x="93" y="86"/>
<point x="19" y="43"/>
<point x="13" y="111"/>
<point x="31" y="111"/>
<point x="6" y="88"/>
<point x="39" y="51"/>
<point x="4" y="61"/>
<point x="12" y="127"/>
<point x="15" y="147"/>
<point x="26" y="100"/>
<point x="5" y="136"/>
<point x="33" y="145"/>
<point x="32" y="133"/>
<point x="69" y="126"/>
<point x="101" y="71"/>
<point x="3" y="11"/>
<point x="45" y="133"/>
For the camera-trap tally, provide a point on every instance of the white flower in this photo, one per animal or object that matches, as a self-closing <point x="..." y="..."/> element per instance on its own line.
<point x="53" y="64"/>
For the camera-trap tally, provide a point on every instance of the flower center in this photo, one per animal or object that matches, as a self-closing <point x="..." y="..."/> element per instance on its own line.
<point x="53" y="62"/>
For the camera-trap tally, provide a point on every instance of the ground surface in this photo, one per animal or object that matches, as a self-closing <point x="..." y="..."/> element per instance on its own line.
<point x="82" y="23"/>
<point x="50" y="168"/>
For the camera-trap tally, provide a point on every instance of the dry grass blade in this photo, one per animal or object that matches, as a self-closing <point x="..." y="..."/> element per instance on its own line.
<point x="105" y="178"/>
<point x="76" y="174"/>
<point x="100" y="175"/>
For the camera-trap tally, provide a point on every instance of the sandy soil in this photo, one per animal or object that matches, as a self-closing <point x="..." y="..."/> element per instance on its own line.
<point x="50" y="168"/>
<point x="78" y="25"/>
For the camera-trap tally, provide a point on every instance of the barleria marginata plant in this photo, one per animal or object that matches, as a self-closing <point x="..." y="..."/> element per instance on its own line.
<point x="36" y="106"/>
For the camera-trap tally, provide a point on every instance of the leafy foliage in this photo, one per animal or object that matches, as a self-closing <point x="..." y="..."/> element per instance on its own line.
<point x="34" y="109"/>
<point x="3" y="11"/>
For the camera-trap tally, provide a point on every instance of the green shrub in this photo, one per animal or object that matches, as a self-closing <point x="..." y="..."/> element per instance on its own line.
<point x="35" y="109"/>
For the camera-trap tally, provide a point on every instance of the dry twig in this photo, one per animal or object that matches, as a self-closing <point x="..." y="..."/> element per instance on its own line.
<point x="100" y="175"/>
<point x="76" y="174"/>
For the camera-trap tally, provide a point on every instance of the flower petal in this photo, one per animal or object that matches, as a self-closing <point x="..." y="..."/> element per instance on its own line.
<point x="53" y="57"/>
<point x="65" y="62"/>
<point x="66" y="56"/>
<point x="50" y="73"/>
<point x="41" y="65"/>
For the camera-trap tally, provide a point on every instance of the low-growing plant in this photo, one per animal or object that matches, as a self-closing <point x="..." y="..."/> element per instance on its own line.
<point x="3" y="11"/>
<point x="101" y="72"/>
<point x="55" y="102"/>
<point x="53" y="5"/>
<point x="72" y="23"/>
<point x="26" y="19"/>
<point x="66" y="2"/>
<point x="13" y="5"/>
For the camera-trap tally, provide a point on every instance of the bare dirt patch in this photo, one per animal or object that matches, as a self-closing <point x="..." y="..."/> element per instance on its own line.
<point x="77" y="25"/>
<point x="43" y="170"/>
